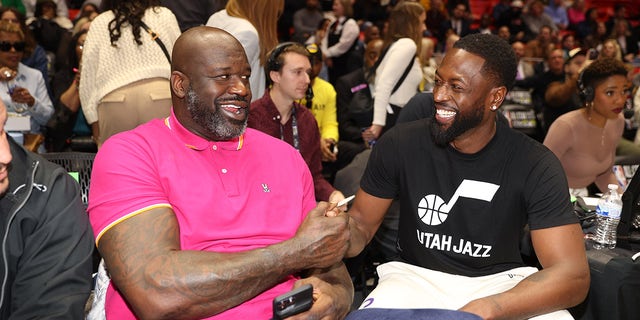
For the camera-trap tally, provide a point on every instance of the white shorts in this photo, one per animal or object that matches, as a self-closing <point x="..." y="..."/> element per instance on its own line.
<point x="405" y="286"/>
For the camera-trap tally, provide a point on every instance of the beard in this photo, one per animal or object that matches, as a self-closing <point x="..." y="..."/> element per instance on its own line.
<point x="464" y="121"/>
<point x="218" y="126"/>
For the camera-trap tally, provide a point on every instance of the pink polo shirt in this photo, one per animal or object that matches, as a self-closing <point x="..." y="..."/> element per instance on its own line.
<point x="227" y="196"/>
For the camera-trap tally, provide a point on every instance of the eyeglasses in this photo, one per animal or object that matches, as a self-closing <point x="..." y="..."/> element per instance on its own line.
<point x="6" y="46"/>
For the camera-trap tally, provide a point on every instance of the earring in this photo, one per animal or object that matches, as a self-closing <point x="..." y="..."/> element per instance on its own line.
<point x="493" y="107"/>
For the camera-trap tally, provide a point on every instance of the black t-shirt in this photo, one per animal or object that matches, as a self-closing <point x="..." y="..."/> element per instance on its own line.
<point x="465" y="213"/>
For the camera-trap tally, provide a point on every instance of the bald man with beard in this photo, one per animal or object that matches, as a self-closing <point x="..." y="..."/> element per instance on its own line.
<point x="197" y="216"/>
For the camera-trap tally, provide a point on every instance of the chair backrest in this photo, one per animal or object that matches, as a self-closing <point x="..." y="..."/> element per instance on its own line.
<point x="79" y="162"/>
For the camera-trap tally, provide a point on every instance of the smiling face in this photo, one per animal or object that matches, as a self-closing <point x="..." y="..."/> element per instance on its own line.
<point x="610" y="96"/>
<point x="212" y="84"/>
<point x="460" y="95"/>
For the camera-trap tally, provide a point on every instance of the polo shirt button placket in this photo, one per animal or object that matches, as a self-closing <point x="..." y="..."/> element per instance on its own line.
<point x="224" y="170"/>
<point x="214" y="147"/>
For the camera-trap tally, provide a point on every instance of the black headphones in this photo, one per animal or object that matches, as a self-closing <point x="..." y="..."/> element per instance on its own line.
<point x="272" y="62"/>
<point x="585" y="92"/>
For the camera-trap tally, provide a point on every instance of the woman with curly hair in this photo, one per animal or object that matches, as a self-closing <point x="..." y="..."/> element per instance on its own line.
<point x="125" y="73"/>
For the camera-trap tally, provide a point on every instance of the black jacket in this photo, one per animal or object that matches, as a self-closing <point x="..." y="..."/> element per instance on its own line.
<point x="47" y="242"/>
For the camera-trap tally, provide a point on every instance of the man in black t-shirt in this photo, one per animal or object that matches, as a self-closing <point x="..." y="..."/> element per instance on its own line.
<point x="467" y="185"/>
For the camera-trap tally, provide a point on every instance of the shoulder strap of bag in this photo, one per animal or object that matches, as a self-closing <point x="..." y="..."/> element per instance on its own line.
<point x="404" y="75"/>
<point x="155" y="37"/>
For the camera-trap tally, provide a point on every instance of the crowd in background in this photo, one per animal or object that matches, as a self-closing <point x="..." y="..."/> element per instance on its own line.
<point x="546" y="36"/>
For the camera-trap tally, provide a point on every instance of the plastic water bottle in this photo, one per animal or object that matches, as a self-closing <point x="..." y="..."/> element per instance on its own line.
<point x="608" y="213"/>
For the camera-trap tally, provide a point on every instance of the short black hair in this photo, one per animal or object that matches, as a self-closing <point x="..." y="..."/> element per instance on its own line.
<point x="501" y="63"/>
<point x="601" y="69"/>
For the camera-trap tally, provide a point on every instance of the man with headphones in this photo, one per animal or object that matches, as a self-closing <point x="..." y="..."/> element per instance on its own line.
<point x="279" y="114"/>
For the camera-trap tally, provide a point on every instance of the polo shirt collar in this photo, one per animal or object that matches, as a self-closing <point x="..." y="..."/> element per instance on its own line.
<point x="196" y="142"/>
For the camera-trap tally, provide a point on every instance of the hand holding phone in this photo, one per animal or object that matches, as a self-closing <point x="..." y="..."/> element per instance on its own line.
<point x="293" y="302"/>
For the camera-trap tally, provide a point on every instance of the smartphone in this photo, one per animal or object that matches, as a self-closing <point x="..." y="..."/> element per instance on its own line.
<point x="592" y="54"/>
<point x="293" y="302"/>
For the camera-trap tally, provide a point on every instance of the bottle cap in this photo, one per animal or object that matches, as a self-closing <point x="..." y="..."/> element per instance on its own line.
<point x="612" y="186"/>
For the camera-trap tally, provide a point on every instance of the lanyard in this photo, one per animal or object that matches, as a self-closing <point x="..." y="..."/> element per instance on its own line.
<point x="294" y="128"/>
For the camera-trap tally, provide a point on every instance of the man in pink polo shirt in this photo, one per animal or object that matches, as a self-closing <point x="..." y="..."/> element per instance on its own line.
<point x="198" y="217"/>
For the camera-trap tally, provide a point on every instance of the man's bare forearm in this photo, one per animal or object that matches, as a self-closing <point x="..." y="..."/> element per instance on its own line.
<point x="161" y="281"/>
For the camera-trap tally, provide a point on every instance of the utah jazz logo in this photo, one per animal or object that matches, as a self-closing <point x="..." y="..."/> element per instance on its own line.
<point x="433" y="211"/>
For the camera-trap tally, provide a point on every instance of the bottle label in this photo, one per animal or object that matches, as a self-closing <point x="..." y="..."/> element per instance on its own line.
<point x="609" y="211"/>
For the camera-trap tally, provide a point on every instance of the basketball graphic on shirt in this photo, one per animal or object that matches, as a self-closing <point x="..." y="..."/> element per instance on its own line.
<point x="432" y="210"/>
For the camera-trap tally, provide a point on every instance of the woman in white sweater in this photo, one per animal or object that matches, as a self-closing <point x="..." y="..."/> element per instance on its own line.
<point x="125" y="74"/>
<point x="402" y="43"/>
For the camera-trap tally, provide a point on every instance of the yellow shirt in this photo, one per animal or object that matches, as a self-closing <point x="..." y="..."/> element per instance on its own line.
<point x="324" y="108"/>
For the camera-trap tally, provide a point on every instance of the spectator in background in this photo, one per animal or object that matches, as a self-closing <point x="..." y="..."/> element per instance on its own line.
<point x="611" y="49"/>
<point x="558" y="13"/>
<point x="124" y="80"/>
<point x="539" y="47"/>
<point x="278" y="113"/>
<point x="306" y="21"/>
<point x="49" y="29"/>
<point x="512" y="18"/>
<point x="596" y="39"/>
<point x="504" y="33"/>
<point x="90" y="9"/>
<point x="31" y="6"/>
<point x="585" y="139"/>
<point x="341" y="47"/>
<point x="68" y="122"/>
<point x="321" y="100"/>
<point x="588" y="25"/>
<point x="567" y="44"/>
<point x="351" y="142"/>
<point x="457" y="23"/>
<point x="619" y="14"/>
<point x="525" y="68"/>
<point x="485" y="26"/>
<point x="562" y="96"/>
<point x="626" y="39"/>
<point x="539" y="82"/>
<point x="451" y="5"/>
<point x="34" y="55"/>
<point x="47" y="238"/>
<point x="371" y="32"/>
<point x="22" y="89"/>
<point x="535" y="18"/>
<point x="402" y="44"/>
<point x="193" y="13"/>
<point x="254" y="24"/>
<point x="576" y="13"/>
